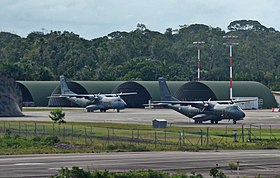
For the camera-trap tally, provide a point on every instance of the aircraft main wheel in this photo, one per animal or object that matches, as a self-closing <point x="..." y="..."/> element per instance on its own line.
<point x="216" y="122"/>
<point x="234" y="122"/>
<point x="212" y="122"/>
<point x="196" y="122"/>
<point x="118" y="110"/>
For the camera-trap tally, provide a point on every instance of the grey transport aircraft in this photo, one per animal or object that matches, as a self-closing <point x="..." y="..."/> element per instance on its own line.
<point x="93" y="102"/>
<point x="200" y="111"/>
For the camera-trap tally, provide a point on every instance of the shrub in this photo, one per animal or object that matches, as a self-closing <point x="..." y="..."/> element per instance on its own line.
<point x="8" y="133"/>
<point x="51" y="140"/>
<point x="233" y="165"/>
<point x="36" y="139"/>
<point x="74" y="172"/>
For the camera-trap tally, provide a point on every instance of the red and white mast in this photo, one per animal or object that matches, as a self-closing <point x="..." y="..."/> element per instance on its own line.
<point x="230" y="44"/>
<point x="198" y="43"/>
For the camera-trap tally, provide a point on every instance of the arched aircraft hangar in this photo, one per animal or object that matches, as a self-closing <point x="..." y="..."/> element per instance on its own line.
<point x="39" y="92"/>
<point x="146" y="90"/>
<point x="219" y="90"/>
<point x="36" y="93"/>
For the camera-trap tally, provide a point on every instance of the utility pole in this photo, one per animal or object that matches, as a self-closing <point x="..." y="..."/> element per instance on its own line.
<point x="230" y="44"/>
<point x="198" y="44"/>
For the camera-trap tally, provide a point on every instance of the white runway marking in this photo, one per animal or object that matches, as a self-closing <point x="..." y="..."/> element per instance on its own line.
<point x="28" y="164"/>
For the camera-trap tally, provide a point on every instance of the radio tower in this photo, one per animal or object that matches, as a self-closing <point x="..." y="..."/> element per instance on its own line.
<point x="230" y="44"/>
<point x="198" y="43"/>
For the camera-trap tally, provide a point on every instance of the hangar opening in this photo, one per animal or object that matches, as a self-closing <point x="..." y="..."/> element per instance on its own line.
<point x="133" y="101"/>
<point x="27" y="99"/>
<point x="63" y="102"/>
<point x="195" y="91"/>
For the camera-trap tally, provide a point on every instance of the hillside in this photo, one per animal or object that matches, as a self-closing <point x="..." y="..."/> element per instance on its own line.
<point x="143" y="54"/>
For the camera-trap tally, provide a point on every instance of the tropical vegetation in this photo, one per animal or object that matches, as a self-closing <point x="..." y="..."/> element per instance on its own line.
<point x="143" y="54"/>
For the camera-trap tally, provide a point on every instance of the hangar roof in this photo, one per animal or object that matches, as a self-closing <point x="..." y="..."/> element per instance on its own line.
<point x="153" y="88"/>
<point x="39" y="90"/>
<point x="220" y="90"/>
<point x="146" y="90"/>
<point x="95" y="87"/>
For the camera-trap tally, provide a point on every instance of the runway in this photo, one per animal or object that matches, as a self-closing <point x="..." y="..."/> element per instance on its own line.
<point x="254" y="162"/>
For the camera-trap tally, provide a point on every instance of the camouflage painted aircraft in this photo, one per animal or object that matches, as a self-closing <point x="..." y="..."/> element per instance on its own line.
<point x="200" y="111"/>
<point x="93" y="102"/>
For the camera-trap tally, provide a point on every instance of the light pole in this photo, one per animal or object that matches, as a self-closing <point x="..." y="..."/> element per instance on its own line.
<point x="198" y="43"/>
<point x="230" y="44"/>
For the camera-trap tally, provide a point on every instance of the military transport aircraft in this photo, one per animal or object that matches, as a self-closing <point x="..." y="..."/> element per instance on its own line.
<point x="93" y="102"/>
<point x="200" y="111"/>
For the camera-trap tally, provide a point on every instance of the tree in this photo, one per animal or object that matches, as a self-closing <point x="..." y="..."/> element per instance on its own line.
<point x="57" y="116"/>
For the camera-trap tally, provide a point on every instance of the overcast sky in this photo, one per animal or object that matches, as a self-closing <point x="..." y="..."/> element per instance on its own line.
<point x="95" y="18"/>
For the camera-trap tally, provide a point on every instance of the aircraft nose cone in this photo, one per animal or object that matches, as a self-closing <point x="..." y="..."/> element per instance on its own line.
<point x="243" y="115"/>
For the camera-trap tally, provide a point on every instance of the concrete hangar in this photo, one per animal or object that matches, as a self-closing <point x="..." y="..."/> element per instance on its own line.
<point x="36" y="93"/>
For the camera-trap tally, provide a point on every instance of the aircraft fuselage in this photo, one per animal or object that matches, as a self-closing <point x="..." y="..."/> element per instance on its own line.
<point x="214" y="114"/>
<point x="103" y="103"/>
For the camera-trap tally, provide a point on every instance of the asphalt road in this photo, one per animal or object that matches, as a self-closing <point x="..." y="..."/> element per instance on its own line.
<point x="258" y="162"/>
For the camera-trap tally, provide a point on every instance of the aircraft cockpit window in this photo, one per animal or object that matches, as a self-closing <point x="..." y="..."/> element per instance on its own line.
<point x="233" y="108"/>
<point x="236" y="108"/>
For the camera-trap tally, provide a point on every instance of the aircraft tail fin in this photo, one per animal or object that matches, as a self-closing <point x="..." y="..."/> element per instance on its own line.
<point x="64" y="86"/>
<point x="165" y="94"/>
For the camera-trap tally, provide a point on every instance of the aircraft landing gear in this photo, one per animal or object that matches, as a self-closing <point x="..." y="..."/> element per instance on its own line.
<point x="212" y="122"/>
<point x="234" y="122"/>
<point x="216" y="122"/>
<point x="118" y="110"/>
<point x="102" y="110"/>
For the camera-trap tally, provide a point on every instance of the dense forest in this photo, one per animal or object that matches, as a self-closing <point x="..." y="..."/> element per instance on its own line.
<point x="143" y="54"/>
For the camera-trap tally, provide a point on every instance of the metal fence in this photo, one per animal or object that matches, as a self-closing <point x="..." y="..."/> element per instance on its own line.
<point x="158" y="137"/>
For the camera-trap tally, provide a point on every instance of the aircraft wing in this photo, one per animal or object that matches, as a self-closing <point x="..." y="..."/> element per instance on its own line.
<point x="70" y="95"/>
<point x="90" y="95"/>
<point x="276" y="92"/>
<point x="179" y="102"/>
<point x="120" y="94"/>
<point x="197" y="104"/>
<point x="234" y="101"/>
<point x="204" y="104"/>
<point x="59" y="96"/>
